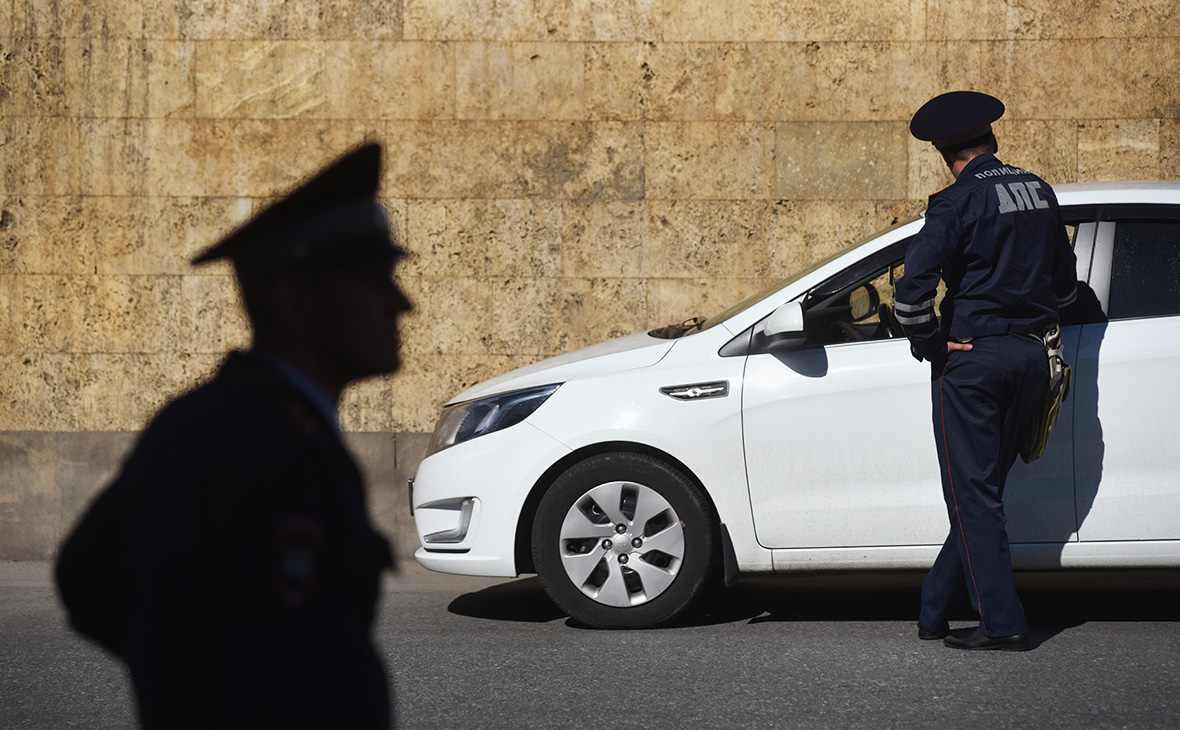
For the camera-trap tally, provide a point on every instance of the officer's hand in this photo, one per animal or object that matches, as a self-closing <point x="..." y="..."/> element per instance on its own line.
<point x="952" y="346"/>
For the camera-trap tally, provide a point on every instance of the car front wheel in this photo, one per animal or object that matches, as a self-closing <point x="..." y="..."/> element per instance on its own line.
<point x="623" y="540"/>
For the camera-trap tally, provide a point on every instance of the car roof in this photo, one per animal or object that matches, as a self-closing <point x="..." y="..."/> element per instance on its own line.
<point x="1122" y="191"/>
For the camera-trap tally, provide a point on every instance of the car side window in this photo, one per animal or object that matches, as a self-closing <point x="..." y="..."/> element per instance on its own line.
<point x="858" y="310"/>
<point x="854" y="314"/>
<point x="1145" y="269"/>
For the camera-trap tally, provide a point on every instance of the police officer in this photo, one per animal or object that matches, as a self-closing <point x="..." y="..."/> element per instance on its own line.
<point x="996" y="239"/>
<point x="232" y="564"/>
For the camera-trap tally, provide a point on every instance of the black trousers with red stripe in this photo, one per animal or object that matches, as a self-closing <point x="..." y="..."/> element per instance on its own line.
<point x="982" y="400"/>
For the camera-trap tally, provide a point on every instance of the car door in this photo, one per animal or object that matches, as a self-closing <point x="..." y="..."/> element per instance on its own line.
<point x="823" y="425"/>
<point x="839" y="440"/>
<point x="1127" y="459"/>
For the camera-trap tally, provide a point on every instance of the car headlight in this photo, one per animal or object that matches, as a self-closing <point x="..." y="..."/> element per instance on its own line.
<point x="464" y="421"/>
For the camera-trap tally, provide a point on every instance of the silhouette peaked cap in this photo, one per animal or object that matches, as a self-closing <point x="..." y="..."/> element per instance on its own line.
<point x="956" y="117"/>
<point x="333" y="218"/>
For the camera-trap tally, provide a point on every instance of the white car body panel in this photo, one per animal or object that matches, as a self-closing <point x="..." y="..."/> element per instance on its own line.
<point x="1128" y="462"/>
<point x="499" y="493"/>
<point x="790" y="498"/>
<point x="854" y="494"/>
<point x="1025" y="556"/>
<point x="705" y="435"/>
<point x="625" y="353"/>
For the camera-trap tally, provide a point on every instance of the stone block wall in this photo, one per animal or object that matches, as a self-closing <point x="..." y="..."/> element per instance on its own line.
<point x="562" y="171"/>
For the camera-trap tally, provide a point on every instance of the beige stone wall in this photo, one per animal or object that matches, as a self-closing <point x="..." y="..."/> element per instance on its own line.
<point x="563" y="172"/>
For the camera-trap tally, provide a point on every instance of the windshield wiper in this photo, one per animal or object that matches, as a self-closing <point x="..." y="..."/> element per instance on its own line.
<point x="673" y="331"/>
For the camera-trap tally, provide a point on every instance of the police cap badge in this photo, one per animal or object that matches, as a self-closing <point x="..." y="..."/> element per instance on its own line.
<point x="955" y="118"/>
<point x="331" y="219"/>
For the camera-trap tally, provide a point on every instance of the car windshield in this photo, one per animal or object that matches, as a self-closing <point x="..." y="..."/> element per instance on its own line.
<point x="700" y="324"/>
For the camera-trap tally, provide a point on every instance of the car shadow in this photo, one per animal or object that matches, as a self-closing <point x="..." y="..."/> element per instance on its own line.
<point x="1054" y="602"/>
<point x="521" y="600"/>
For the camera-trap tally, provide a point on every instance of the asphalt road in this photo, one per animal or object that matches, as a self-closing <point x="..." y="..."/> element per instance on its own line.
<point x="817" y="653"/>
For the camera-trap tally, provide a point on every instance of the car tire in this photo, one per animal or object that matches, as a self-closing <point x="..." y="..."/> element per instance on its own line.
<point x="624" y="541"/>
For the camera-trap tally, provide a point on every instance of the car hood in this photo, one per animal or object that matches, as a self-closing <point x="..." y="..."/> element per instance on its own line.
<point x="639" y="350"/>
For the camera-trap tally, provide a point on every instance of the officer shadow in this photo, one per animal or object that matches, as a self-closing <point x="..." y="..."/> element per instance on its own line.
<point x="1048" y="501"/>
<point x="1089" y="446"/>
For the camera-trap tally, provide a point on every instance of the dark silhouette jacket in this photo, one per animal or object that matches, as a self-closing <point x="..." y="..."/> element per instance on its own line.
<point x="232" y="564"/>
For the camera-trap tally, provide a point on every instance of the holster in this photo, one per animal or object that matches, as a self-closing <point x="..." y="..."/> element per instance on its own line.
<point x="1044" y="419"/>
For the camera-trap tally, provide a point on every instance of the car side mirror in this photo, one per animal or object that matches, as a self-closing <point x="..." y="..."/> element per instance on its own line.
<point x="784" y="328"/>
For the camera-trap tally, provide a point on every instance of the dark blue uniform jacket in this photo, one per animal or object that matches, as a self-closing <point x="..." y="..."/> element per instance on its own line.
<point x="997" y="239"/>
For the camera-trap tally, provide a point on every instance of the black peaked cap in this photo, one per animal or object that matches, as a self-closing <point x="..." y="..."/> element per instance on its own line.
<point x="956" y="117"/>
<point x="333" y="217"/>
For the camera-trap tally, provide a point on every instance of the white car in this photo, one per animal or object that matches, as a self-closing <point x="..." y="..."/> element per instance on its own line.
<point x="793" y="433"/>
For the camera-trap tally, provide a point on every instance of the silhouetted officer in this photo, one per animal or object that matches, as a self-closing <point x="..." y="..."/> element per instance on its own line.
<point x="232" y="564"/>
<point x="997" y="240"/>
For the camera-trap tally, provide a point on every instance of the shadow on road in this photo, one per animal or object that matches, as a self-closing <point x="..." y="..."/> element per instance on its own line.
<point x="1054" y="602"/>
<point x="520" y="600"/>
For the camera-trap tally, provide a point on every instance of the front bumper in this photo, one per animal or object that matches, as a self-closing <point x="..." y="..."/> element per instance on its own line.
<point x="467" y="500"/>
